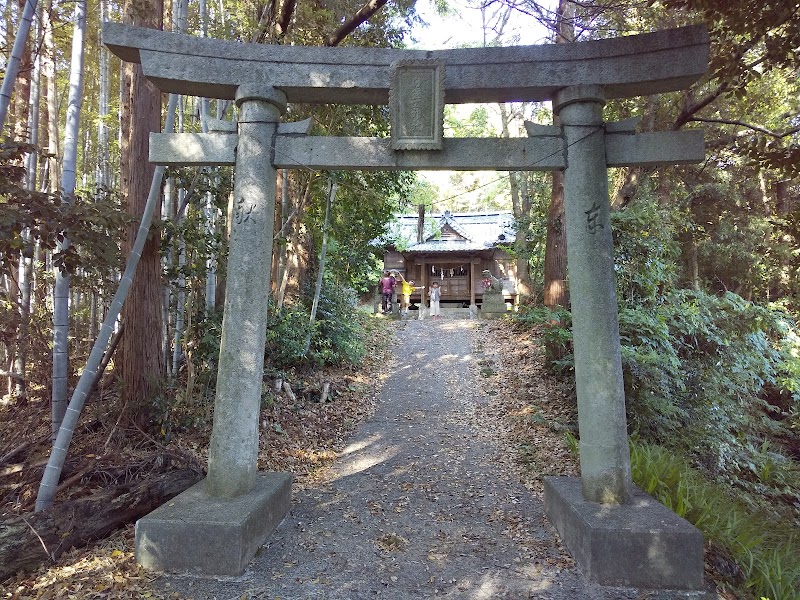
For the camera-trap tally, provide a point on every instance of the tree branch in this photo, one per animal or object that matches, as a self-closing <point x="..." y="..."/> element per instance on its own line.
<point x="287" y="10"/>
<point x="687" y="113"/>
<point x="364" y="13"/>
<point x="263" y="22"/>
<point x="763" y="130"/>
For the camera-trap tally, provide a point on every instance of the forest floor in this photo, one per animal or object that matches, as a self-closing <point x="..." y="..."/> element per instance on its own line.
<point x="421" y="479"/>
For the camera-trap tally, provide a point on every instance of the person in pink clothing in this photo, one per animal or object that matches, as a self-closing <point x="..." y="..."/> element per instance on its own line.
<point x="387" y="291"/>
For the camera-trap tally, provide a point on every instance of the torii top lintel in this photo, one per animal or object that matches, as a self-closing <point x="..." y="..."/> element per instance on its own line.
<point x="624" y="67"/>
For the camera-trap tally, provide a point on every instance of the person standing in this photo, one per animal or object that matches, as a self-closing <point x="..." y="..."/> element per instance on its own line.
<point x="407" y="289"/>
<point x="435" y="294"/>
<point x="387" y="291"/>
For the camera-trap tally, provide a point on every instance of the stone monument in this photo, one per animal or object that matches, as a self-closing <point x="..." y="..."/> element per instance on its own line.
<point x="618" y="535"/>
<point x="493" y="306"/>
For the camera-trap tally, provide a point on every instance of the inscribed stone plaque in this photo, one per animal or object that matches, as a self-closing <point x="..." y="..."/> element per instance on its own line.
<point x="416" y="102"/>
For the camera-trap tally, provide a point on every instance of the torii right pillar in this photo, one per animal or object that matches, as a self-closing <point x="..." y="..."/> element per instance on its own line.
<point x="604" y="454"/>
<point x="618" y="534"/>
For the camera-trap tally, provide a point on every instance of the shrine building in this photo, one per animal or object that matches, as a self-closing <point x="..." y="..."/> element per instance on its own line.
<point x="454" y="249"/>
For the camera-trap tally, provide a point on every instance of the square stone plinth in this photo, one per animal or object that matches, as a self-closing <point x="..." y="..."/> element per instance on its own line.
<point x="199" y="534"/>
<point x="640" y="544"/>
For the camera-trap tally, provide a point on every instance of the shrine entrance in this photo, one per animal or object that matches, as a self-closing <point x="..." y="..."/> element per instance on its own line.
<point x="217" y="526"/>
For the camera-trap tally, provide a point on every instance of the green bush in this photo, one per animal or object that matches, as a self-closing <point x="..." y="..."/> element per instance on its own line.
<point x="555" y="328"/>
<point x="765" y="547"/>
<point x="696" y="367"/>
<point x="335" y="337"/>
<point x="339" y="326"/>
<point x="288" y="329"/>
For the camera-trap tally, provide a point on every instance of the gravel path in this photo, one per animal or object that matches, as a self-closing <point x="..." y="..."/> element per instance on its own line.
<point x="416" y="506"/>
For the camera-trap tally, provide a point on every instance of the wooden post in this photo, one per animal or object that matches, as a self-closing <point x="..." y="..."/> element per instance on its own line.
<point x="472" y="284"/>
<point x="424" y="278"/>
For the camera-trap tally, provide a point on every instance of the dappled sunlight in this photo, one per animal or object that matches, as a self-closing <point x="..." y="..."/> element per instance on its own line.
<point x="495" y="584"/>
<point x="448" y="358"/>
<point x="362" y="463"/>
<point x="362" y="455"/>
<point x="360" y="444"/>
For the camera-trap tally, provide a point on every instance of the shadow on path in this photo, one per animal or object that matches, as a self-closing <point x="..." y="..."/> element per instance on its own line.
<point x="414" y="506"/>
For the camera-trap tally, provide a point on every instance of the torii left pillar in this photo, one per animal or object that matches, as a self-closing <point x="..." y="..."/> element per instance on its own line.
<point x="217" y="526"/>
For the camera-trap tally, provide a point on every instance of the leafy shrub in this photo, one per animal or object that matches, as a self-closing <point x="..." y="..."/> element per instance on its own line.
<point x="335" y="337"/>
<point x="338" y="334"/>
<point x="728" y="350"/>
<point x="555" y="327"/>
<point x="695" y="367"/>
<point x="652" y="373"/>
<point x="287" y="330"/>
<point x="765" y="548"/>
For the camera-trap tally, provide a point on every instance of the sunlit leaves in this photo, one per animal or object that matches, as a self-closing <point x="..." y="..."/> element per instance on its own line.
<point x="26" y="218"/>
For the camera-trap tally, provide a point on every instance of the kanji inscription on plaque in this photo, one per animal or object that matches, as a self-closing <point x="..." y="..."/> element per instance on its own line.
<point x="416" y="102"/>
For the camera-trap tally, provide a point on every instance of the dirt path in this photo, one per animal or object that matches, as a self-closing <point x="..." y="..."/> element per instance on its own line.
<point x="416" y="506"/>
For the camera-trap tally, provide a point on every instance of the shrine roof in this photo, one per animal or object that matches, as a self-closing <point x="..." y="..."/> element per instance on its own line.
<point x="447" y="246"/>
<point x="453" y="232"/>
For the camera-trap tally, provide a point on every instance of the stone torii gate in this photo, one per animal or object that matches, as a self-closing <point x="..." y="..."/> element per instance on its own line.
<point x="618" y="535"/>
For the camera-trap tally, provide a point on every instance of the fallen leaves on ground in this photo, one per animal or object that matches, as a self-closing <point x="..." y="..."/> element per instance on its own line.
<point x="300" y="435"/>
<point x="526" y="413"/>
<point x="527" y="410"/>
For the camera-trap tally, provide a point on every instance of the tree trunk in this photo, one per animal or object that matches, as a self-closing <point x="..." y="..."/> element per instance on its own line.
<point x="29" y="540"/>
<point x="524" y="282"/>
<point x="279" y="245"/>
<point x="68" y="180"/>
<point x="555" y="254"/>
<point x="17" y="65"/>
<point x="143" y="361"/>
<point x="296" y="252"/>
<point x="26" y="256"/>
<point x="332" y="186"/>
<point x="103" y="176"/>
<point x="49" y="72"/>
<point x="23" y="83"/>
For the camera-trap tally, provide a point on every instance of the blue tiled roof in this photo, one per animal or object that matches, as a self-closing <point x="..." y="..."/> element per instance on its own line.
<point x="446" y="246"/>
<point x="480" y="230"/>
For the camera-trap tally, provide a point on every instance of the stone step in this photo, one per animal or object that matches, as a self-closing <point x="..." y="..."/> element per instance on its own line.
<point x="444" y="313"/>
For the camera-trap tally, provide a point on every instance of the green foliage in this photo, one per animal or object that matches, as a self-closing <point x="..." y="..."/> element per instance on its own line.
<point x="695" y="368"/>
<point x="287" y="330"/>
<point x="555" y="328"/>
<point x="766" y="548"/>
<point x="768" y="31"/>
<point x="207" y="335"/>
<point x="475" y="124"/>
<point x="645" y="251"/>
<point x="91" y="225"/>
<point x="652" y="374"/>
<point x="737" y="248"/>
<point x="573" y="445"/>
<point x="336" y="334"/>
<point x="698" y="366"/>
<point x="339" y="328"/>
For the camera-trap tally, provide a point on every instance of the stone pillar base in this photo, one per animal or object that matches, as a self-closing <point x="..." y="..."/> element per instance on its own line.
<point x="199" y="534"/>
<point x="641" y="544"/>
